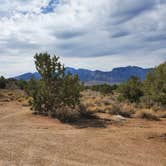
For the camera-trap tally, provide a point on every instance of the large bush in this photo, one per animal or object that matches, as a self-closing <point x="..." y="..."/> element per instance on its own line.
<point x="22" y="84"/>
<point x="2" y="82"/>
<point x="155" y="86"/>
<point x="131" y="90"/>
<point x="55" y="90"/>
<point x="9" y="83"/>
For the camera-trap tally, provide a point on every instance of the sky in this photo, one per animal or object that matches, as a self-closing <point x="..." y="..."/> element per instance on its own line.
<point x="97" y="35"/>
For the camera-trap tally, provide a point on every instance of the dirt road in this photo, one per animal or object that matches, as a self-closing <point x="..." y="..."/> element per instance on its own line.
<point x="30" y="140"/>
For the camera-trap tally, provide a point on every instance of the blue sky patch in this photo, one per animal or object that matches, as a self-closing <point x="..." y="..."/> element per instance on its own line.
<point x="50" y="7"/>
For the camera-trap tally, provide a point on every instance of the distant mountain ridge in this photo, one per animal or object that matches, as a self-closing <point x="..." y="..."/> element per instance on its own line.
<point x="117" y="75"/>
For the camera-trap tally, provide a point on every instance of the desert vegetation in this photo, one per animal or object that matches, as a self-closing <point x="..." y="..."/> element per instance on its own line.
<point x="55" y="92"/>
<point x="144" y="99"/>
<point x="74" y="124"/>
<point x="61" y="95"/>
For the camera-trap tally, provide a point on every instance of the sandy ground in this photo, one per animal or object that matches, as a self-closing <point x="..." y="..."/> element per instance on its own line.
<point x="31" y="140"/>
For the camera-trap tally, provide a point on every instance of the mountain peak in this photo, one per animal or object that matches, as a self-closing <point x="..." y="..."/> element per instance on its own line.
<point x="117" y="75"/>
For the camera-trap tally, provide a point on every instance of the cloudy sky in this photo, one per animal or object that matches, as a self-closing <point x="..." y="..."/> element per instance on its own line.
<point x="93" y="34"/>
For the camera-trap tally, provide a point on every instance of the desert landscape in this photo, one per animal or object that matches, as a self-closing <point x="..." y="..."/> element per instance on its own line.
<point x="82" y="83"/>
<point x="34" y="140"/>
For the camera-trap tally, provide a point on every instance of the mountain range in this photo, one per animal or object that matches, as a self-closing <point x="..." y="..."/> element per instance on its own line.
<point x="117" y="75"/>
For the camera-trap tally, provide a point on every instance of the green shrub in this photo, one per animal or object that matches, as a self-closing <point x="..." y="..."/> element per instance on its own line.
<point x="2" y="82"/>
<point x="120" y="98"/>
<point x="22" y="84"/>
<point x="155" y="86"/>
<point x="56" y="90"/>
<point x="103" y="88"/>
<point x="131" y="90"/>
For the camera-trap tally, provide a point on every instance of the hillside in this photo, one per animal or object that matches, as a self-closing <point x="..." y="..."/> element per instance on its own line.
<point x="117" y="75"/>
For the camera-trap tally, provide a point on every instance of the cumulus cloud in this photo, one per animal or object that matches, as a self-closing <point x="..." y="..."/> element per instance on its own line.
<point x="96" y="35"/>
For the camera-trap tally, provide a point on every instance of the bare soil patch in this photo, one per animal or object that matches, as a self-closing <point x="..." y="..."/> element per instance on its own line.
<point x="32" y="140"/>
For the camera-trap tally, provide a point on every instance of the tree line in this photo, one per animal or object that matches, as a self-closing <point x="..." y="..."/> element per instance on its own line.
<point x="152" y="91"/>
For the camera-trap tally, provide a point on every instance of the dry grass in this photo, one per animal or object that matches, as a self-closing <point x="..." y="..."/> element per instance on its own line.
<point x="146" y="114"/>
<point x="98" y="103"/>
<point x="27" y="139"/>
<point x="161" y="113"/>
<point x="117" y="110"/>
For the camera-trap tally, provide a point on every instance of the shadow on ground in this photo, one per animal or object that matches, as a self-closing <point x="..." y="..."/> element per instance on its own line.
<point x="93" y="121"/>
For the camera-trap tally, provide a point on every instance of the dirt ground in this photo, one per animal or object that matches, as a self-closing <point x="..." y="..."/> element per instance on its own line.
<point x="31" y="140"/>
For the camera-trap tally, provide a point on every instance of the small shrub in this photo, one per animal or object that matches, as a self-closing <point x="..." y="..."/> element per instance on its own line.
<point x="84" y="112"/>
<point x="156" y="108"/>
<point x="162" y="115"/>
<point x="120" y="98"/>
<point x="116" y="110"/>
<point x="106" y="102"/>
<point x="103" y="88"/>
<point x="146" y="114"/>
<point x="66" y="114"/>
<point x="69" y="115"/>
<point x="22" y="84"/>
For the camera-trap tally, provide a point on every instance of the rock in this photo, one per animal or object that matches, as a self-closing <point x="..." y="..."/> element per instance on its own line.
<point x="119" y="118"/>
